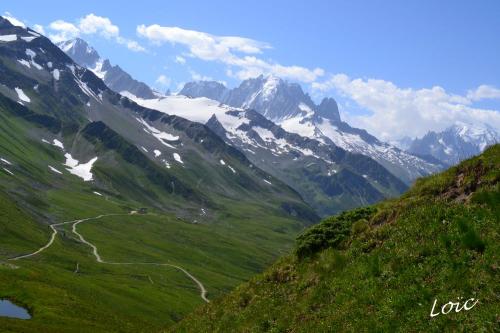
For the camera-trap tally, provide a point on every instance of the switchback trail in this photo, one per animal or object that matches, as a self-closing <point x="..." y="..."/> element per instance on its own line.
<point x="203" y="291"/>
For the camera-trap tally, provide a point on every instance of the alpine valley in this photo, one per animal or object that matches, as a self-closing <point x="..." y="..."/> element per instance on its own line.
<point x="125" y="209"/>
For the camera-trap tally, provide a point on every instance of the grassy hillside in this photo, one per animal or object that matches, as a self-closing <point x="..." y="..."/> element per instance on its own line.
<point x="380" y="268"/>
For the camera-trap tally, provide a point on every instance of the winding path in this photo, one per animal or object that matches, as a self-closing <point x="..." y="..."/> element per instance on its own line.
<point x="203" y="291"/>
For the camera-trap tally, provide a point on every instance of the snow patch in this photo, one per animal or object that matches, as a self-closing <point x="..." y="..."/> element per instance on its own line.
<point x="264" y="134"/>
<point x="157" y="152"/>
<point x="56" y="74"/>
<point x="8" y="38"/>
<point x="5" y="161"/>
<point x="22" y="96"/>
<point x="8" y="171"/>
<point x="32" y="54"/>
<point x="28" y="39"/>
<point x="98" y="68"/>
<point x="58" y="143"/>
<point x="267" y="181"/>
<point x="81" y="170"/>
<point x="97" y="193"/>
<point x="54" y="170"/>
<point x="161" y="136"/>
<point x="178" y="158"/>
<point x="24" y="63"/>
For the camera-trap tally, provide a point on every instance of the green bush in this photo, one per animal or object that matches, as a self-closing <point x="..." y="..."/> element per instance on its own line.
<point x="330" y="232"/>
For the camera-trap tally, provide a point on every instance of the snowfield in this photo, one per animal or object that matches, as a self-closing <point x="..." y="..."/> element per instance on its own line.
<point x="81" y="170"/>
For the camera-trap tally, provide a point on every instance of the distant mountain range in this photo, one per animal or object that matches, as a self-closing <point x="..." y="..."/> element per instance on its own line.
<point x="455" y="143"/>
<point x="288" y="106"/>
<point x="329" y="178"/>
<point x="281" y="130"/>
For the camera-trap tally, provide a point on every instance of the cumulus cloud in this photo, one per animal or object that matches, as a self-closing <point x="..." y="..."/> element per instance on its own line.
<point x="163" y="81"/>
<point x="63" y="31"/>
<point x="201" y="44"/>
<point x="91" y="25"/>
<point x="398" y="112"/>
<point x="13" y="20"/>
<point x="39" y="28"/>
<point x="483" y="92"/>
<point x="233" y="51"/>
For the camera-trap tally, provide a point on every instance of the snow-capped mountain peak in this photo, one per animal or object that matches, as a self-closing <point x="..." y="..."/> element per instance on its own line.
<point x="456" y="143"/>
<point x="287" y="105"/>
<point x="270" y="95"/>
<point x="482" y="135"/>
<point x="114" y="77"/>
<point x="80" y="51"/>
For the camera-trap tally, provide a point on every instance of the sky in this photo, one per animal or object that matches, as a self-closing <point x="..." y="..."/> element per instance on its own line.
<point x="397" y="68"/>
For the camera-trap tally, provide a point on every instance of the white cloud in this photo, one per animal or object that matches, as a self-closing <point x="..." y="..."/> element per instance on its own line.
<point x="13" y="20"/>
<point x="202" y="45"/>
<point x="163" y="81"/>
<point x="398" y="112"/>
<point x="91" y="25"/>
<point x="233" y="51"/>
<point x="251" y="66"/>
<point x="483" y="92"/>
<point x="39" y="28"/>
<point x="63" y="31"/>
<point x="180" y="60"/>
<point x="130" y="44"/>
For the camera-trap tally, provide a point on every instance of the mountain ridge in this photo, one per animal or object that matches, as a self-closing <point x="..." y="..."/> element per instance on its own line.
<point x="299" y="114"/>
<point x="113" y="76"/>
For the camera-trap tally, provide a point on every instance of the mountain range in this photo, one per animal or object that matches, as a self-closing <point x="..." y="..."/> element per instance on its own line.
<point x="456" y="143"/>
<point x="329" y="178"/>
<point x="123" y="209"/>
<point x="288" y="106"/>
<point x="294" y="123"/>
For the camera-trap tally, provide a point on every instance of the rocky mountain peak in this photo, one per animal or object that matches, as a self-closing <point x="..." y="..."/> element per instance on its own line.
<point x="328" y="109"/>
<point x="114" y="76"/>
<point x="80" y="51"/>
<point x="209" y="89"/>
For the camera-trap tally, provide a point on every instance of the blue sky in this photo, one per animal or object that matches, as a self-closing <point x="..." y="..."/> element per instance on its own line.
<point x="370" y="55"/>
